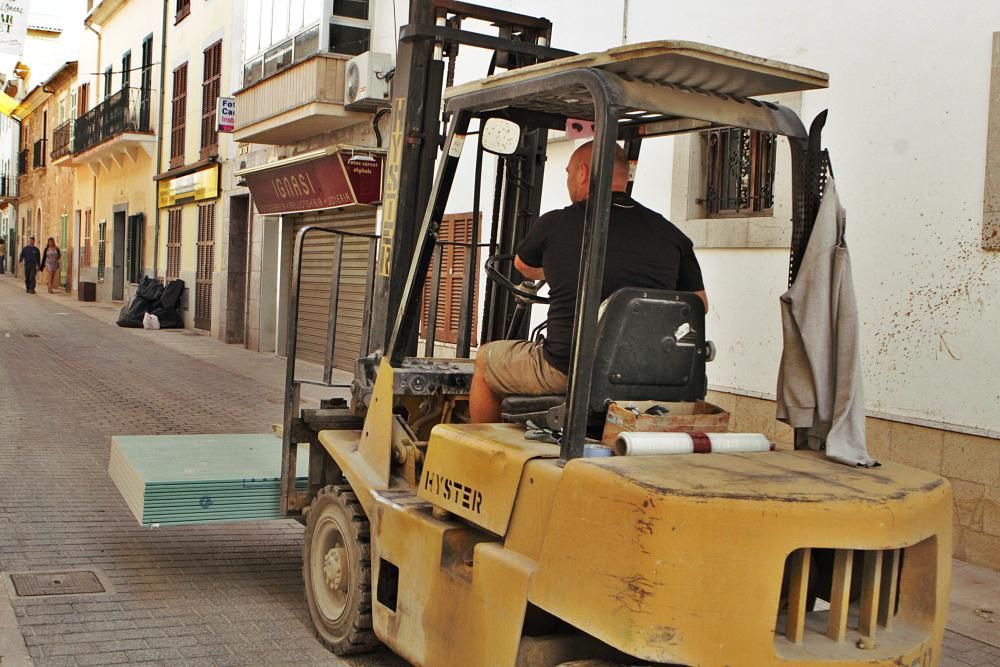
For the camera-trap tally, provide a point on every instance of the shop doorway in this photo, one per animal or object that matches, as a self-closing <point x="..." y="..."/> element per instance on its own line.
<point x="335" y="287"/>
<point x="118" y="257"/>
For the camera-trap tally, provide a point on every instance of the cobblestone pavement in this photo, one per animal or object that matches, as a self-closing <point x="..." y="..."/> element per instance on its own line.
<point x="220" y="595"/>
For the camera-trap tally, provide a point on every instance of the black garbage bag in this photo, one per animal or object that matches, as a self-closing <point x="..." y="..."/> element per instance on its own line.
<point x="149" y="289"/>
<point x="132" y="314"/>
<point x="169" y="318"/>
<point x="170" y="297"/>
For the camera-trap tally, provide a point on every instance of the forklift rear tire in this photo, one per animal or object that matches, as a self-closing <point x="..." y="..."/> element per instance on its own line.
<point x="336" y="566"/>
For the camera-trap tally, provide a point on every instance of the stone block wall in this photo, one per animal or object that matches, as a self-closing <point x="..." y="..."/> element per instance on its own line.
<point x="970" y="462"/>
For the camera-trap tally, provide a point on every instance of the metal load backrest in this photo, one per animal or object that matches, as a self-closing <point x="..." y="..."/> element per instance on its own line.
<point x="650" y="346"/>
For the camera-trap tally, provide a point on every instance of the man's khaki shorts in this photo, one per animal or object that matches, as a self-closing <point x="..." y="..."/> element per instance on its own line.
<point x="518" y="368"/>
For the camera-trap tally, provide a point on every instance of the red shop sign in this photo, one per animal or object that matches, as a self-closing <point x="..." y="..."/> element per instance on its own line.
<point x="330" y="181"/>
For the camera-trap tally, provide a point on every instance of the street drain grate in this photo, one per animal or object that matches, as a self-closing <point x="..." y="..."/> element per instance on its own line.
<point x="56" y="583"/>
<point x="27" y="335"/>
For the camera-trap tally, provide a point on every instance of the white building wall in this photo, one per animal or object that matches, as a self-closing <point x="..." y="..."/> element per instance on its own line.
<point x="208" y="23"/>
<point x="908" y="106"/>
<point x="907" y="131"/>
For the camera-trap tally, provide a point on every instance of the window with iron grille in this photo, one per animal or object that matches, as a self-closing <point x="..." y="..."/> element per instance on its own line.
<point x="739" y="172"/>
<point x="85" y="258"/>
<point x="205" y="267"/>
<point x="183" y="9"/>
<point x="211" y="88"/>
<point x="102" y="236"/>
<point x="133" y="247"/>
<point x="178" y="115"/>
<point x="173" y="244"/>
<point x="455" y="236"/>
<point x="126" y="68"/>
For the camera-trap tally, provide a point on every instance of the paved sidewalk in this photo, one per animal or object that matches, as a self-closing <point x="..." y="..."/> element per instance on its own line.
<point x="221" y="595"/>
<point x="202" y="595"/>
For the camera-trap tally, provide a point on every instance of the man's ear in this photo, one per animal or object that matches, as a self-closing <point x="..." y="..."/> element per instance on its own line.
<point x="583" y="175"/>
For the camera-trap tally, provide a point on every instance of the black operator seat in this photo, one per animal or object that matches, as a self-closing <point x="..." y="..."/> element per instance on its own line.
<point x="650" y="347"/>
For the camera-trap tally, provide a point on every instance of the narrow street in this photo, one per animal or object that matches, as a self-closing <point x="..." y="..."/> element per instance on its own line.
<point x="226" y="594"/>
<point x="204" y="595"/>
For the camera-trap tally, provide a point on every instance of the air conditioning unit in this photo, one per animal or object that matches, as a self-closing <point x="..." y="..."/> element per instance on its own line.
<point x="365" y="83"/>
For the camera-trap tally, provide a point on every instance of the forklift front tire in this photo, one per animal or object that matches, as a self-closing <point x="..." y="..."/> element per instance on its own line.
<point x="336" y="566"/>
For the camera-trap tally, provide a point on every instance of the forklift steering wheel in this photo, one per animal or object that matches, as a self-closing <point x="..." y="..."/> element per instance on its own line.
<point x="527" y="290"/>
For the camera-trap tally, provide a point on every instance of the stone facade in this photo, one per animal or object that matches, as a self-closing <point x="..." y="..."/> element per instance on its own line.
<point x="970" y="462"/>
<point x="46" y="190"/>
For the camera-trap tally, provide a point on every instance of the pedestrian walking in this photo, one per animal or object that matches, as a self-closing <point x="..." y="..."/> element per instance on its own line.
<point x="3" y="256"/>
<point x="32" y="260"/>
<point x="50" y="263"/>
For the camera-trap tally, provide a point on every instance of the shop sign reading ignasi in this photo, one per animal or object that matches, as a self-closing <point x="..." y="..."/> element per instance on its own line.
<point x="203" y="184"/>
<point x="327" y="182"/>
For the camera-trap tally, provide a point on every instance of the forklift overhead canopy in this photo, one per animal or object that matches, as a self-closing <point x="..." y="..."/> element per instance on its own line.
<point x="653" y="82"/>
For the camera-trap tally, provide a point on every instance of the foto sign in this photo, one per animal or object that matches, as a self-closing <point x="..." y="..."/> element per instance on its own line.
<point x="226" y="113"/>
<point x="13" y="26"/>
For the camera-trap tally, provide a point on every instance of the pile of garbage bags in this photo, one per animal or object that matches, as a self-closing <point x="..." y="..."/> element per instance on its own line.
<point x="154" y="306"/>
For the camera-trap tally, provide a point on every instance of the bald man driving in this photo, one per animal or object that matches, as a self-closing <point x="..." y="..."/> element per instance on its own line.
<point x="644" y="250"/>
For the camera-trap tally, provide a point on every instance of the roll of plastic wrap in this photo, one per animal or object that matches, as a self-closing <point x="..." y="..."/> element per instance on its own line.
<point x="640" y="444"/>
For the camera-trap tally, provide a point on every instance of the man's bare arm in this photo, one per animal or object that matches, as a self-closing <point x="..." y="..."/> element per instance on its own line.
<point x="704" y="299"/>
<point x="529" y="272"/>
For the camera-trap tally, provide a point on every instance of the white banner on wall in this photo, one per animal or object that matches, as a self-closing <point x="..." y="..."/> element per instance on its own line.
<point x="13" y="26"/>
<point x="225" y="112"/>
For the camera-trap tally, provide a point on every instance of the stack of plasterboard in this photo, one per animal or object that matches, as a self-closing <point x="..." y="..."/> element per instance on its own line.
<point x="185" y="479"/>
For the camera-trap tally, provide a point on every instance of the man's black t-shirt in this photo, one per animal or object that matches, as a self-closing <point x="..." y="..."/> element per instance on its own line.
<point x="644" y="250"/>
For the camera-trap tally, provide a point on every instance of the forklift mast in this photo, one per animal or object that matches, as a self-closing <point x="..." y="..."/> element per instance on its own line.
<point x="434" y="32"/>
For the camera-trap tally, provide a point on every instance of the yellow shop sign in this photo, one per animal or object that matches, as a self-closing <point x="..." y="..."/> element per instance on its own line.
<point x="196" y="186"/>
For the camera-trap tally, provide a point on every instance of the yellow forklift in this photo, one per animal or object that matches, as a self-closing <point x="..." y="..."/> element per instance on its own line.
<point x="462" y="544"/>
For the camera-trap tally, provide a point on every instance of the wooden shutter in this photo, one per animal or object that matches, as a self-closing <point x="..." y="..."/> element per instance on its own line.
<point x="146" y="82"/>
<point x="210" y="89"/>
<point x="126" y="69"/>
<point x="102" y="247"/>
<point x="88" y="232"/>
<point x="81" y="99"/>
<point x="178" y="116"/>
<point x="205" y="267"/>
<point x="183" y="9"/>
<point x="133" y="247"/>
<point x="455" y="229"/>
<point x="173" y="244"/>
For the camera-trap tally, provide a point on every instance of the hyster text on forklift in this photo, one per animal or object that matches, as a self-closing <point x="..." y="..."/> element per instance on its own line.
<point x="471" y="544"/>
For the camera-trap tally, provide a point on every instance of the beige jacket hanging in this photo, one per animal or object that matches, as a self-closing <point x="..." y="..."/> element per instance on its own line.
<point x="819" y="381"/>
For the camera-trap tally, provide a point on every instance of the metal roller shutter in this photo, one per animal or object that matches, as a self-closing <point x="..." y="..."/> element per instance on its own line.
<point x="318" y="257"/>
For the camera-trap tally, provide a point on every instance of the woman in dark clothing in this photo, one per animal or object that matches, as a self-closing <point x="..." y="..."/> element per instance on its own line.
<point x="50" y="262"/>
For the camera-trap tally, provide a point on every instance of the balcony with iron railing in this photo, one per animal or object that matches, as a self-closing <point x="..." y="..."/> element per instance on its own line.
<point x="116" y="129"/>
<point x="8" y="186"/>
<point x="62" y="142"/>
